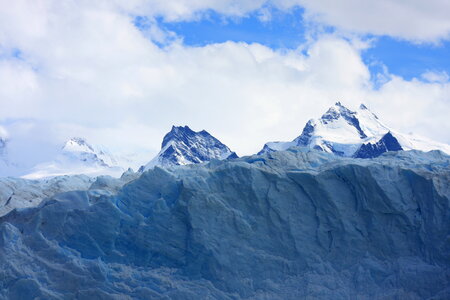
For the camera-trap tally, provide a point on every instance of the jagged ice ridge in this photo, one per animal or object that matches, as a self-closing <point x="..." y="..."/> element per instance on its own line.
<point x="283" y="225"/>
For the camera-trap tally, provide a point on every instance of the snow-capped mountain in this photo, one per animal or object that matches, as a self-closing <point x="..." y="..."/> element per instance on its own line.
<point x="77" y="156"/>
<point x="353" y="134"/>
<point x="183" y="146"/>
<point x="79" y="149"/>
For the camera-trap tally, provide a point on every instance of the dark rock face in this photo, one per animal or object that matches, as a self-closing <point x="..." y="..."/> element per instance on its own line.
<point x="233" y="155"/>
<point x="183" y="146"/>
<point x="307" y="133"/>
<point x="286" y="225"/>
<point x="387" y="143"/>
<point x="265" y="149"/>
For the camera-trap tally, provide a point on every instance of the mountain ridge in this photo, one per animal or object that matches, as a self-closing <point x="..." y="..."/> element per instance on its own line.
<point x="183" y="146"/>
<point x="77" y="156"/>
<point x="343" y="132"/>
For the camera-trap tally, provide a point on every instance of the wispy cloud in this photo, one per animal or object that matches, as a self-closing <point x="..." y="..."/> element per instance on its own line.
<point x="436" y="76"/>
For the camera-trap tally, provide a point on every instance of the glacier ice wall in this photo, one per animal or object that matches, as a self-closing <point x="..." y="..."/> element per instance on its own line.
<point x="21" y="193"/>
<point x="285" y="225"/>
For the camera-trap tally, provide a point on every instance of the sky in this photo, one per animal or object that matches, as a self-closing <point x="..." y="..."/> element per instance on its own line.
<point x="121" y="73"/>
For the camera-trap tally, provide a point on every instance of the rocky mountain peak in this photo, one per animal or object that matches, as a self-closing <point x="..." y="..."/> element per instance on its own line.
<point x="183" y="146"/>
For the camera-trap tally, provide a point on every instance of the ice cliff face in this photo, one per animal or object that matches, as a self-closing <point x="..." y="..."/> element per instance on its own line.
<point x="183" y="146"/>
<point x="353" y="133"/>
<point x="19" y="193"/>
<point x="284" y="225"/>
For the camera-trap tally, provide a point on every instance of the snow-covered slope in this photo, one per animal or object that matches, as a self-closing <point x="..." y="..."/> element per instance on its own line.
<point x="183" y="146"/>
<point x="77" y="156"/>
<point x="291" y="224"/>
<point x="343" y="132"/>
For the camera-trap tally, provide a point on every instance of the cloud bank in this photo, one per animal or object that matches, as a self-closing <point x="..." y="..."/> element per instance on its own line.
<point x="414" y="20"/>
<point x="82" y="68"/>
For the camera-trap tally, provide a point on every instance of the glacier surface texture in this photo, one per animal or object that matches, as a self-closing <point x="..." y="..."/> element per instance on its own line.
<point x="283" y="225"/>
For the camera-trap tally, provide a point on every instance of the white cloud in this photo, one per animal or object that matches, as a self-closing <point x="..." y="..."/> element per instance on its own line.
<point x="414" y="20"/>
<point x="414" y="106"/>
<point x="436" y="76"/>
<point x="177" y="10"/>
<point x="86" y="70"/>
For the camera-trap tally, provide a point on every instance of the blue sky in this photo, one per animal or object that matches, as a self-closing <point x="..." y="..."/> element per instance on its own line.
<point x="283" y="30"/>
<point x="288" y="30"/>
<point x="407" y="59"/>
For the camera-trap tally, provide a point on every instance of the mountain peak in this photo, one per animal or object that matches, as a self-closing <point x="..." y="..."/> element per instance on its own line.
<point x="77" y="156"/>
<point x="338" y="111"/>
<point x="339" y="130"/>
<point x="78" y="149"/>
<point x="353" y="133"/>
<point x="177" y="133"/>
<point x="182" y="146"/>
<point x="77" y="144"/>
<point x="184" y="128"/>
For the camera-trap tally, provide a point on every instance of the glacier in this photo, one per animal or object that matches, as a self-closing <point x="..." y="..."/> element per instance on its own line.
<point x="17" y="193"/>
<point x="289" y="224"/>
